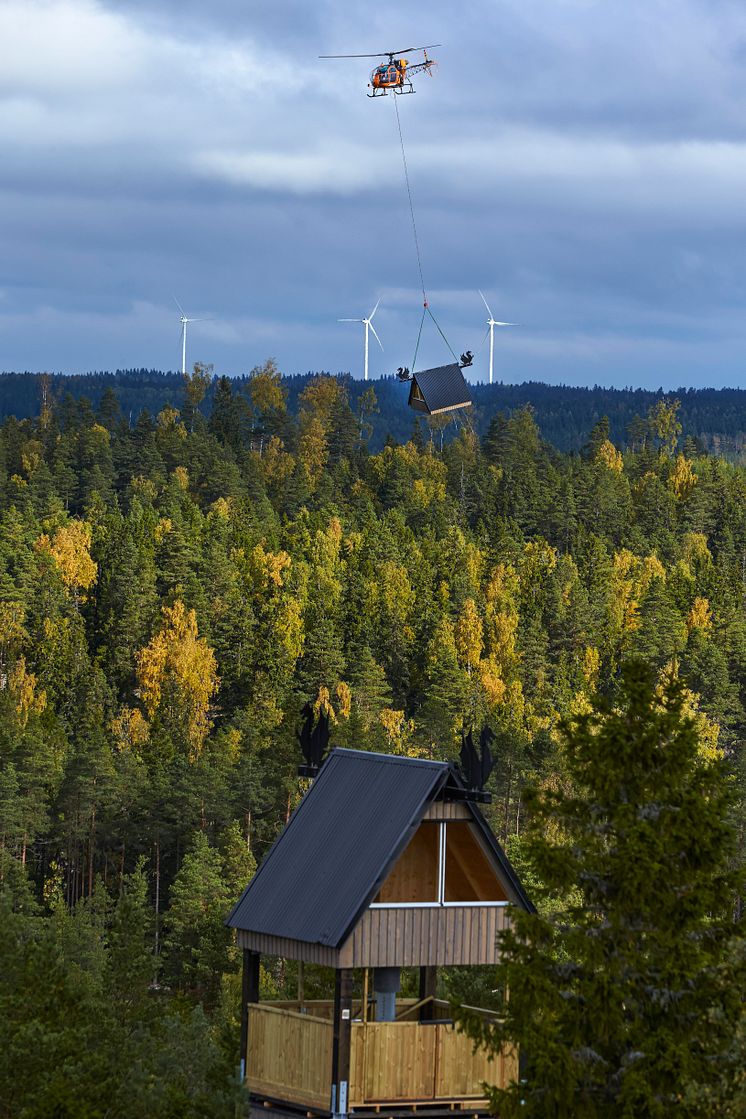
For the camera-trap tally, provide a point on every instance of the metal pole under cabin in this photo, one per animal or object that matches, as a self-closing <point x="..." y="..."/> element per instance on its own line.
<point x="428" y="987"/>
<point x="342" y="1041"/>
<point x="301" y="985"/>
<point x="249" y="994"/>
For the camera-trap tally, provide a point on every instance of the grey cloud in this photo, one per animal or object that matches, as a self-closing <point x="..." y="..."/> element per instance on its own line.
<point x="581" y="160"/>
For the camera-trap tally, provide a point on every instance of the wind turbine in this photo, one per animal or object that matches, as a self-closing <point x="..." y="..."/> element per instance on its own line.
<point x="368" y="324"/>
<point x="184" y="322"/>
<point x="492" y="323"/>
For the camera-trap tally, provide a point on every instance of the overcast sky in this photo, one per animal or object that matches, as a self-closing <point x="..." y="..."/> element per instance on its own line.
<point x="583" y="162"/>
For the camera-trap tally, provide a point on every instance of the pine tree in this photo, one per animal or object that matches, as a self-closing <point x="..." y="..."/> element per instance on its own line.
<point x="614" y="1000"/>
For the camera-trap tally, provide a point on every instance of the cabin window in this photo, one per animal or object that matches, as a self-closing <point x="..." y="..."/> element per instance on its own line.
<point x="415" y="874"/>
<point x="443" y="864"/>
<point x="468" y="873"/>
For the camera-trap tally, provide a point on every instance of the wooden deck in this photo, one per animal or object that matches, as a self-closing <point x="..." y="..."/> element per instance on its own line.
<point x="404" y="1064"/>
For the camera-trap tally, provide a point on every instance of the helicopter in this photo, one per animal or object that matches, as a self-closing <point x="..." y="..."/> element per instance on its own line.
<point x="396" y="74"/>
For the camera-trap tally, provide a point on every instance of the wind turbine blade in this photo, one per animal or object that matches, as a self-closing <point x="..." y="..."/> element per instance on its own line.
<point x="370" y="316"/>
<point x="179" y="305"/>
<point x="485" y="303"/>
<point x="496" y="323"/>
<point x="350" y="320"/>
<point x="481" y="344"/>
<point x="378" y="340"/>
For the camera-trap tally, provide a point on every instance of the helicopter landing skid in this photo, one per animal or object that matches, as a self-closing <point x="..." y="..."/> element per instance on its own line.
<point x="398" y="90"/>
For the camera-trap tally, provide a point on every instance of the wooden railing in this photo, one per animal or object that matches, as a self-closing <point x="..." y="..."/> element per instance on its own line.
<point x="290" y="1056"/>
<point x="420" y="1062"/>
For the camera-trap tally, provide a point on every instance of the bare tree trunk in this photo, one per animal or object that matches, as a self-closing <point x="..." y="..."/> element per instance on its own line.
<point x="91" y="837"/>
<point x="157" y="891"/>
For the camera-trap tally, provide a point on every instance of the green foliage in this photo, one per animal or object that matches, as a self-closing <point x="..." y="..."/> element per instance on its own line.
<point x="617" y="1001"/>
<point x="176" y="582"/>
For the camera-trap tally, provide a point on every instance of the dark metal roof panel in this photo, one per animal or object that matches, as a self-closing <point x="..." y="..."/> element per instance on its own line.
<point x="442" y="387"/>
<point x="338" y="846"/>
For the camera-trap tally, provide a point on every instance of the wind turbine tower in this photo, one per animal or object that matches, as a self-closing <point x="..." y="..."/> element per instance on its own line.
<point x="368" y="324"/>
<point x="492" y="323"/>
<point x="184" y="322"/>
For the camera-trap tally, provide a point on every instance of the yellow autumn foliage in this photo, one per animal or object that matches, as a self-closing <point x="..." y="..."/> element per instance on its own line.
<point x="268" y="568"/>
<point x="682" y="479"/>
<point x="313" y="450"/>
<point x="501" y="615"/>
<point x="265" y="387"/>
<point x="399" y="732"/>
<point x="32" y="454"/>
<point x="179" y="657"/>
<point x="323" y="704"/>
<point x="694" y="549"/>
<point x="162" y="528"/>
<point x="590" y="665"/>
<point x="12" y="627"/>
<point x="277" y="464"/>
<point x="493" y="684"/>
<point x="169" y="422"/>
<point x="130" y="729"/>
<point x="25" y="697"/>
<point x="707" y="729"/>
<point x="70" y="550"/>
<point x="344" y="698"/>
<point x="469" y="635"/>
<point x="222" y="508"/>
<point x="608" y="455"/>
<point x="181" y="474"/>
<point x="700" y="615"/>
<point x="631" y="576"/>
<point x="538" y="560"/>
<point x="288" y="628"/>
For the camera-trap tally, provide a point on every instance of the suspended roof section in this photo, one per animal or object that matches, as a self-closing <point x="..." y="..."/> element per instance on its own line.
<point x="439" y="390"/>
<point x="336" y="852"/>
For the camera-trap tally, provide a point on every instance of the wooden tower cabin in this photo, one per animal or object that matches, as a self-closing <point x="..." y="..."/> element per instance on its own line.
<point x="386" y="864"/>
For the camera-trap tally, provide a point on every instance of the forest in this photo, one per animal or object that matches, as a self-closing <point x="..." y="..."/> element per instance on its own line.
<point x="564" y="414"/>
<point x="174" y="587"/>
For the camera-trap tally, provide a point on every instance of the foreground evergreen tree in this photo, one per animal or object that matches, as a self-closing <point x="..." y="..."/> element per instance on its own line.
<point x="616" y="1000"/>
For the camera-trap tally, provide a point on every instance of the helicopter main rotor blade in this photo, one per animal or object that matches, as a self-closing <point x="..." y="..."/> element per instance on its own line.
<point x="378" y="340"/>
<point x="429" y="47"/>
<point x="382" y="54"/>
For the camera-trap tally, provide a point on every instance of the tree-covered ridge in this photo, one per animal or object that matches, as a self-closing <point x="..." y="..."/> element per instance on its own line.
<point x="172" y="592"/>
<point x="564" y="414"/>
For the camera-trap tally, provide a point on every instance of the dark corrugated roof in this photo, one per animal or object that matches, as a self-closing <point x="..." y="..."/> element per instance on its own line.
<point x="442" y="388"/>
<point x="337" y="848"/>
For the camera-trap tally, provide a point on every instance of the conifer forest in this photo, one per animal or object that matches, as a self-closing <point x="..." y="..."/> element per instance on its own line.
<point x="175" y="586"/>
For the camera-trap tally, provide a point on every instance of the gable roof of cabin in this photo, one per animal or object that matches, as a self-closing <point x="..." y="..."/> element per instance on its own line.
<point x="340" y="844"/>
<point x="441" y="388"/>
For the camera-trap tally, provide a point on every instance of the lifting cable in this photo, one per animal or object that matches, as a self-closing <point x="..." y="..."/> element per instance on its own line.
<point x="411" y="205"/>
<point x="425" y="304"/>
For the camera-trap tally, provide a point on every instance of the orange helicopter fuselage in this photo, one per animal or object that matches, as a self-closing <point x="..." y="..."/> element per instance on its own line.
<point x="389" y="75"/>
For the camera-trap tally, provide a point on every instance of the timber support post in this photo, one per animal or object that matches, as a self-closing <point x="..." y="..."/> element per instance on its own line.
<point x="249" y="994"/>
<point x="428" y="987"/>
<point x="342" y="1041"/>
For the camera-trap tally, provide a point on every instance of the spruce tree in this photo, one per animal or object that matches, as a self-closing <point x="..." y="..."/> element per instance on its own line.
<point x="615" y="1003"/>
